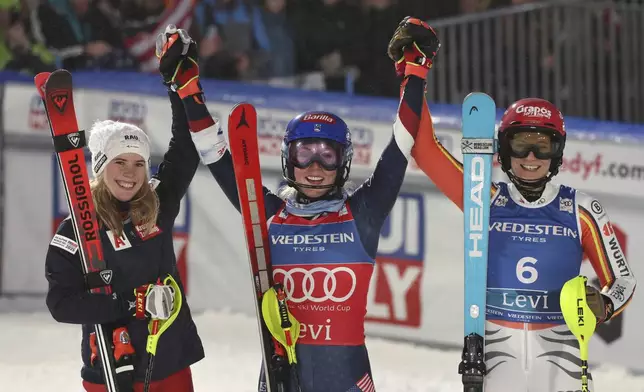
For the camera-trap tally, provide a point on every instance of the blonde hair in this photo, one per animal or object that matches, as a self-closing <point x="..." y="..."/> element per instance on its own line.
<point x="144" y="207"/>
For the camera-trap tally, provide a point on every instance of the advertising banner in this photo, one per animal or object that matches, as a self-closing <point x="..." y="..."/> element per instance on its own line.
<point x="593" y="166"/>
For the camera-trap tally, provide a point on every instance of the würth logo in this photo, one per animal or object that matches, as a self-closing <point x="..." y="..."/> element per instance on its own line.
<point x="59" y="99"/>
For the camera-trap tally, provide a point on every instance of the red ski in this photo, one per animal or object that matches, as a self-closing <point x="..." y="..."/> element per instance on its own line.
<point x="56" y="91"/>
<point x="242" y="135"/>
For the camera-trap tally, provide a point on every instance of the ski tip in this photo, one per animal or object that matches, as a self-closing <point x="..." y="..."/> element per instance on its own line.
<point x="242" y="115"/>
<point x="243" y="106"/>
<point x="478" y="116"/>
<point x="60" y="76"/>
<point x="476" y="104"/>
<point x="40" y="80"/>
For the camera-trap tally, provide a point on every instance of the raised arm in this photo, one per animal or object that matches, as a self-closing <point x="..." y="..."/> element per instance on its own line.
<point x="180" y="162"/>
<point x="412" y="48"/>
<point x="373" y="201"/>
<point x="178" y="66"/>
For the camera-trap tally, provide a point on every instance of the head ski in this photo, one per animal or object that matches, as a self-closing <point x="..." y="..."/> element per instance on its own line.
<point x="477" y="145"/>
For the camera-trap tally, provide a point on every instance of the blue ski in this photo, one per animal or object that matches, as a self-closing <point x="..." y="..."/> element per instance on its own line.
<point x="478" y="147"/>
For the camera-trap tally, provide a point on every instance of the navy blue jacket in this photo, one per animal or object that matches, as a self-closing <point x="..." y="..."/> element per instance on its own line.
<point x="142" y="262"/>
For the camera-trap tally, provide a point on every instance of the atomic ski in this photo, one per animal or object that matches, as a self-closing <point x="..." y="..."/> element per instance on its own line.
<point x="242" y="135"/>
<point x="478" y="147"/>
<point x="56" y="91"/>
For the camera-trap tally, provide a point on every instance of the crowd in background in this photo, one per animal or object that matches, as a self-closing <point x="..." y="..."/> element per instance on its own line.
<point x="238" y="39"/>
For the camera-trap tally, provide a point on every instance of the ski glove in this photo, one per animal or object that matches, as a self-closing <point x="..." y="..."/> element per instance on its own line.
<point x="413" y="47"/>
<point x="178" y="61"/>
<point x="178" y="64"/>
<point x="155" y="301"/>
<point x="600" y="304"/>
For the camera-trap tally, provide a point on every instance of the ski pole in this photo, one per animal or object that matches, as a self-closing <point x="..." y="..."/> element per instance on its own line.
<point x="157" y="327"/>
<point x="579" y="318"/>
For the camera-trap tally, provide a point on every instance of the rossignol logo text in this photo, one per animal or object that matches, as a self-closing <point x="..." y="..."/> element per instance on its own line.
<point x="80" y="196"/>
<point x="522" y="228"/>
<point x="534" y="111"/>
<point x="312" y="239"/>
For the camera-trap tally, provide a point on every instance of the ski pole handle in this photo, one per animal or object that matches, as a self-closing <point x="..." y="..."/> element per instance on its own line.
<point x="579" y="318"/>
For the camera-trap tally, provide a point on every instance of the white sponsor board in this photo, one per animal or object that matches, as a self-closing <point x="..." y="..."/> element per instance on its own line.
<point x="592" y="166"/>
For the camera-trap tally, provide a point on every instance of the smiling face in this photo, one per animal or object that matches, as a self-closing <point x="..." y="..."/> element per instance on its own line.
<point x="524" y="163"/>
<point x="125" y="175"/>
<point x="314" y="175"/>
<point x="530" y="168"/>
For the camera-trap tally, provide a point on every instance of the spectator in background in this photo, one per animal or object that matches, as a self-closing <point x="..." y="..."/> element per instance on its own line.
<point x="81" y="35"/>
<point x="326" y="32"/>
<point x="377" y="76"/>
<point x="214" y="61"/>
<point x="281" y="53"/>
<point x="242" y="43"/>
<point x="18" y="52"/>
<point x="143" y="20"/>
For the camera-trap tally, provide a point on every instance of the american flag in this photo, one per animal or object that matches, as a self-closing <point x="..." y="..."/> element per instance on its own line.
<point x="364" y="385"/>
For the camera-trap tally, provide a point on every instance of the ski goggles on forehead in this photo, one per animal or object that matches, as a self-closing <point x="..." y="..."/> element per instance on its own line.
<point x="542" y="145"/>
<point x="303" y="153"/>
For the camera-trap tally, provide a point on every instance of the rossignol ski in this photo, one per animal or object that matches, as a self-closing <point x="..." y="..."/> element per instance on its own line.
<point x="478" y="147"/>
<point x="56" y="92"/>
<point x="278" y="329"/>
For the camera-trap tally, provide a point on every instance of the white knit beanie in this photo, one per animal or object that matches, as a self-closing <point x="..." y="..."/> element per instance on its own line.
<point x="109" y="139"/>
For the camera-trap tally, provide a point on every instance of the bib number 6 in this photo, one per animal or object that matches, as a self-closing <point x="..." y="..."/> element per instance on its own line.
<point x="526" y="273"/>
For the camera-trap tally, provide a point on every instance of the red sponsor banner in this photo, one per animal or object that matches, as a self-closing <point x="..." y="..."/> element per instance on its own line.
<point x="395" y="292"/>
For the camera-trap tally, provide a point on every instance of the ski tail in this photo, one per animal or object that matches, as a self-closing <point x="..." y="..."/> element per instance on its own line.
<point x="56" y="91"/>
<point x="478" y="147"/>
<point x="242" y="135"/>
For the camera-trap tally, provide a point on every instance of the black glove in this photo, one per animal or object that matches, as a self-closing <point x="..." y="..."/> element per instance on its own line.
<point x="178" y="64"/>
<point x="178" y="61"/>
<point x="600" y="304"/>
<point x="413" y="47"/>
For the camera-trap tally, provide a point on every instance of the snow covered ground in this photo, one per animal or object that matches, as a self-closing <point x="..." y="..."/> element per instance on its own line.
<point x="37" y="352"/>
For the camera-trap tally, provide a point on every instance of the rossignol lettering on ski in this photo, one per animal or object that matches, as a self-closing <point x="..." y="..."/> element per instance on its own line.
<point x="478" y="147"/>
<point x="56" y="91"/>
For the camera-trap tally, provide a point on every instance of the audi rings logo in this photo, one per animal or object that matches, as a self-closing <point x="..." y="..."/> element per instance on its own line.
<point x="329" y="284"/>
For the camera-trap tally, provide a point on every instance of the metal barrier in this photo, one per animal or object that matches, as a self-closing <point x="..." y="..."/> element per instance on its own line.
<point x="587" y="57"/>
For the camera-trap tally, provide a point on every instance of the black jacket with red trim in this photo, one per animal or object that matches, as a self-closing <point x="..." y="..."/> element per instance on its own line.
<point x="135" y="260"/>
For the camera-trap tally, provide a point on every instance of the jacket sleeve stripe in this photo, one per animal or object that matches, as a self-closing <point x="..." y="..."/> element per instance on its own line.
<point x="596" y="245"/>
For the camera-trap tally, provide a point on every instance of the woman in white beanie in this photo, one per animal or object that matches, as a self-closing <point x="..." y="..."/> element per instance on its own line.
<point x="120" y="162"/>
<point x="136" y="214"/>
